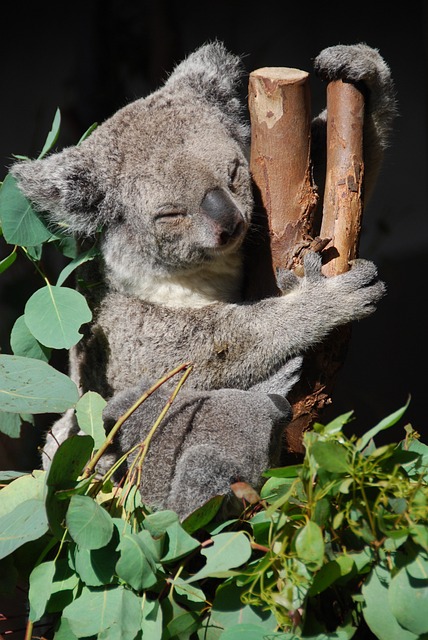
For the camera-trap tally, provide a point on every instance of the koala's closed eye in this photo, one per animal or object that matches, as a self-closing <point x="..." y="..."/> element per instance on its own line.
<point x="234" y="174"/>
<point x="168" y="213"/>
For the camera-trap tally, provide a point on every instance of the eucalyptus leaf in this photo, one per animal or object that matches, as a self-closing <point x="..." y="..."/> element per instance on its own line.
<point x="408" y="597"/>
<point x="89" y="411"/>
<point x="180" y="543"/>
<point x="89" y="525"/>
<point x="387" y="422"/>
<point x="228" y="610"/>
<point x="95" y="611"/>
<point x="24" y="487"/>
<point x="377" y="611"/>
<point x="92" y="253"/>
<point x="10" y="424"/>
<point x="55" y="314"/>
<point x="33" y="386"/>
<point x="245" y="631"/>
<point x="23" y="342"/>
<point x="135" y="567"/>
<point x="228" y="551"/>
<point x="331" y="456"/>
<point x="203" y="515"/>
<point x="21" y="225"/>
<point x="151" y="623"/>
<point x="96" y="567"/>
<point x="41" y="579"/>
<point x="310" y="545"/>
<point x="157" y="523"/>
<point x="67" y="464"/>
<point x="52" y="135"/>
<point x="25" y="523"/>
<point x="8" y="261"/>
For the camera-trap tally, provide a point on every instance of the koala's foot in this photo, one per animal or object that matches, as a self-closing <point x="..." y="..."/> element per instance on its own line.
<point x="202" y="473"/>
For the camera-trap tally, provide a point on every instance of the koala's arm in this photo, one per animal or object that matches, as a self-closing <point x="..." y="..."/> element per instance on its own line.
<point x="237" y="345"/>
<point x="260" y="337"/>
<point x="363" y="66"/>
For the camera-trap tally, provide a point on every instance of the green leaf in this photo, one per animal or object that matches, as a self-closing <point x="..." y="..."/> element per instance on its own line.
<point x="203" y="515"/>
<point x="181" y="623"/>
<point x="8" y="261"/>
<point x="229" y="610"/>
<point x="24" y="344"/>
<point x="310" y="545"/>
<point x="25" y="523"/>
<point x="10" y="424"/>
<point x="66" y="466"/>
<point x="245" y="631"/>
<point x="419" y="534"/>
<point x="24" y="487"/>
<point x="64" y="631"/>
<point x="52" y="135"/>
<point x="180" y="543"/>
<point x="383" y="424"/>
<point x="20" y="223"/>
<point x="64" y="584"/>
<point x="331" y="456"/>
<point x="89" y="411"/>
<point x="41" y="579"/>
<point x="55" y="314"/>
<point x="33" y="386"/>
<point x="336" y="425"/>
<point x="408" y="596"/>
<point x="92" y="253"/>
<point x="88" y="523"/>
<point x="135" y="565"/>
<point x="377" y="611"/>
<point x="157" y="523"/>
<point x="228" y="551"/>
<point x="96" y="567"/>
<point x="151" y="623"/>
<point x="97" y="610"/>
<point x="330" y="573"/>
<point x="291" y="471"/>
<point x="87" y="133"/>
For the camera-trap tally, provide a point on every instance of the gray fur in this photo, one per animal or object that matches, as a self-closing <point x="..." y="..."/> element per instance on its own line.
<point x="195" y="463"/>
<point x="167" y="180"/>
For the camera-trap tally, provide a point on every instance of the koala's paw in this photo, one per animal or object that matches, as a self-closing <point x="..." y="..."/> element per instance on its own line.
<point x="352" y="63"/>
<point x="286" y="280"/>
<point x="354" y="293"/>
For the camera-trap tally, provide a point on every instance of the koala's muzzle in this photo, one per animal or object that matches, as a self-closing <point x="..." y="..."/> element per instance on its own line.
<point x="220" y="208"/>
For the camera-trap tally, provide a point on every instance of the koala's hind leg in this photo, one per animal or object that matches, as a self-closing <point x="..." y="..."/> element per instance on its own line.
<point x="201" y="473"/>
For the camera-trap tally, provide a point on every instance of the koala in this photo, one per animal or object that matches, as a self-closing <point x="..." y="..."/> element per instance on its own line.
<point x="165" y="185"/>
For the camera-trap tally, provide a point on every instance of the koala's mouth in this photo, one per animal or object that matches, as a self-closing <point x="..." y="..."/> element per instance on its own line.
<point x="232" y="236"/>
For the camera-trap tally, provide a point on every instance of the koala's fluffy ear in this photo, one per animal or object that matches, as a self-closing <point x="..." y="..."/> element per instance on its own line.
<point x="66" y="187"/>
<point x="213" y="74"/>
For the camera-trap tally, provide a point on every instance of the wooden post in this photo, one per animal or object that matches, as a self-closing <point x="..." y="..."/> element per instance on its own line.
<point x="343" y="204"/>
<point x="279" y="105"/>
<point x="280" y="164"/>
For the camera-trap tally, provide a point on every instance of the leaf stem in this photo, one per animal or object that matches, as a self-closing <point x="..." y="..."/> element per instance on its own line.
<point x="90" y="467"/>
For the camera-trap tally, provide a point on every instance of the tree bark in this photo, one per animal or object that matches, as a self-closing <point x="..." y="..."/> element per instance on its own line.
<point x="279" y="104"/>
<point x="343" y="204"/>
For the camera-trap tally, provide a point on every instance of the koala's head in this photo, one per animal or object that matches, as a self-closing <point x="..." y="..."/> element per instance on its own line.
<point x="166" y="178"/>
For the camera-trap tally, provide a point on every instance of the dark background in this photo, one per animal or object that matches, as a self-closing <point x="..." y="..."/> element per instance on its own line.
<point x="90" y="58"/>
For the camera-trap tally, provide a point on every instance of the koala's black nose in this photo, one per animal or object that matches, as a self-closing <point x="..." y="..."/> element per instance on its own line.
<point x="219" y="206"/>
